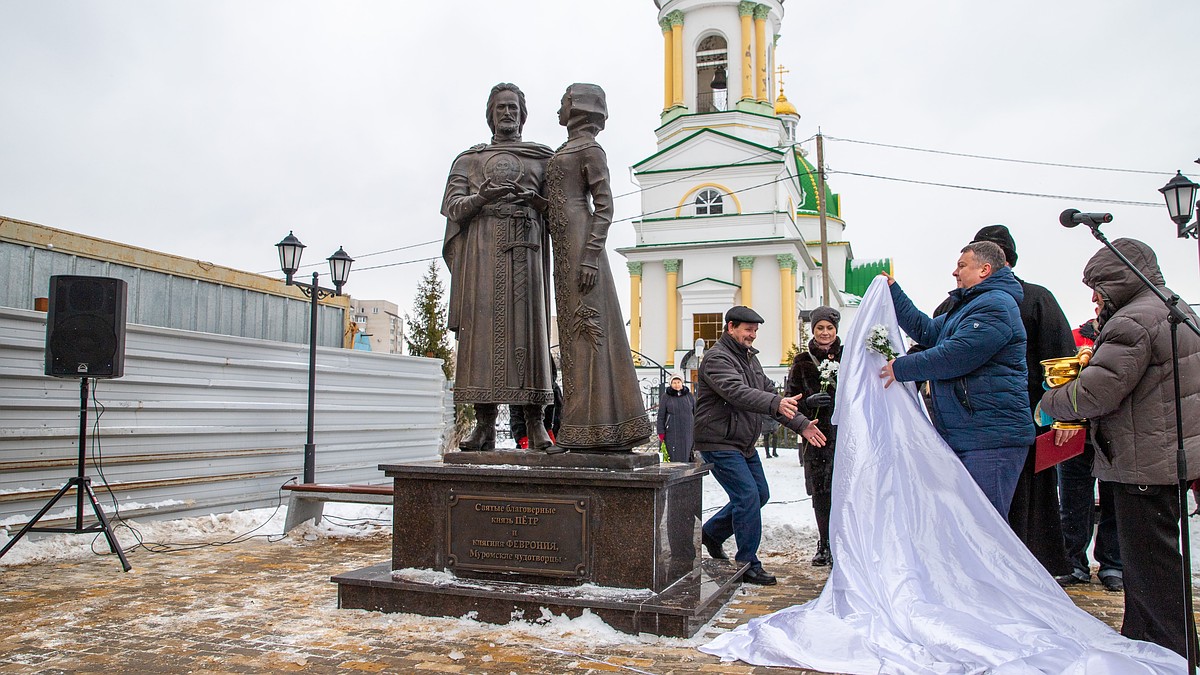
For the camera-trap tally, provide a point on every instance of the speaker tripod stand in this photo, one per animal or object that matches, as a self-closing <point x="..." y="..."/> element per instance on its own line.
<point x="83" y="486"/>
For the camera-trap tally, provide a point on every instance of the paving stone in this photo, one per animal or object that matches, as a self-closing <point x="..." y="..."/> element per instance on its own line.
<point x="270" y="607"/>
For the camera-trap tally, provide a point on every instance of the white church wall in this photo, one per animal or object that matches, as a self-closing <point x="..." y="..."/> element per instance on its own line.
<point x="765" y="131"/>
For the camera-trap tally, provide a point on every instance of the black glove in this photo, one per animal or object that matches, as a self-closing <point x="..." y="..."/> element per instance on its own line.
<point x="818" y="400"/>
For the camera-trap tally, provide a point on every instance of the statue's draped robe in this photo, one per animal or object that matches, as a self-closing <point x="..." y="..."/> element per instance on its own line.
<point x="602" y="402"/>
<point x="499" y="269"/>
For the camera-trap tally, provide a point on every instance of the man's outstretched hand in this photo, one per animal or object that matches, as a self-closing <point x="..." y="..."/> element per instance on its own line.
<point x="813" y="435"/>
<point x="789" y="405"/>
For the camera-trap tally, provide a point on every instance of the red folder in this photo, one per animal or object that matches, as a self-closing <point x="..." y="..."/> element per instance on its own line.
<point x="1048" y="454"/>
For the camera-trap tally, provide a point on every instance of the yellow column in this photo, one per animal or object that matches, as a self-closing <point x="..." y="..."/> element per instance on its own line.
<point x="635" y="309"/>
<point x="672" y="267"/>
<point x="787" y="314"/>
<point x="760" y="52"/>
<point x="676" y="19"/>
<point x="746" y="12"/>
<point x="795" y="320"/>
<point x="746" y="265"/>
<point x="668" y="60"/>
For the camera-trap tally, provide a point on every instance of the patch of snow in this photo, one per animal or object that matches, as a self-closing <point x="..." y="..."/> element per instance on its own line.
<point x="583" y="591"/>
<point x="340" y="521"/>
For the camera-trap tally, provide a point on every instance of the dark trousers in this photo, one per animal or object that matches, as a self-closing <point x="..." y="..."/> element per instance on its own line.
<point x="822" y="506"/>
<point x="744" y="482"/>
<point x="1077" y="492"/>
<point x="770" y="444"/>
<point x="1034" y="516"/>
<point x="1148" y="528"/>
<point x="995" y="471"/>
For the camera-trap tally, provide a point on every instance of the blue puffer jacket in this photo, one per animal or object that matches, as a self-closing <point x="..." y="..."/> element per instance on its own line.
<point x="975" y="364"/>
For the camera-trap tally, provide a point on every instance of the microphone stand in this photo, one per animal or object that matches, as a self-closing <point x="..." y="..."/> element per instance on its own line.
<point x="1176" y="316"/>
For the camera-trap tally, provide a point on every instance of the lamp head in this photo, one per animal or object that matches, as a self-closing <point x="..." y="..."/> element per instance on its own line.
<point x="1180" y="194"/>
<point x="339" y="268"/>
<point x="290" y="250"/>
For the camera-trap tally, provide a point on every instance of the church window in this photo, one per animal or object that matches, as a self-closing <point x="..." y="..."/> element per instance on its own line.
<point x="709" y="202"/>
<point x="707" y="326"/>
<point x="712" y="85"/>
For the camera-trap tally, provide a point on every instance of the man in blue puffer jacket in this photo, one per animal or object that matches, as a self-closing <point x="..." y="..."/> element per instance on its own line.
<point x="975" y="366"/>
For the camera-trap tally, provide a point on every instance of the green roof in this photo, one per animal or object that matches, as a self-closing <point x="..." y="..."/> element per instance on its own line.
<point x="860" y="274"/>
<point x="807" y="175"/>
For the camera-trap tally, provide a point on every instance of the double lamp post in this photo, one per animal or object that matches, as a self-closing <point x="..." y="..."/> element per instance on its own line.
<point x="290" y="250"/>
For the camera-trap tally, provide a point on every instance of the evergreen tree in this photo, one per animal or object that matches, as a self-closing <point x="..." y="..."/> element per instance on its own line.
<point x="427" y="332"/>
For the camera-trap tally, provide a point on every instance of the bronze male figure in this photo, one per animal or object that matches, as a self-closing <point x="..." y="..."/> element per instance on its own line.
<point x="497" y="250"/>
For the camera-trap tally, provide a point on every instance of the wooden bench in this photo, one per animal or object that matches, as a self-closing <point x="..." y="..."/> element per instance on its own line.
<point x="307" y="500"/>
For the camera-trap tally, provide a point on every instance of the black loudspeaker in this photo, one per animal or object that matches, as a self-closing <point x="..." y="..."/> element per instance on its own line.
<point x="85" y="327"/>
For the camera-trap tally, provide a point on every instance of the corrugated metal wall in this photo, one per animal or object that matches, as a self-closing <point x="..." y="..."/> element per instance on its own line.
<point x="171" y="301"/>
<point x="204" y="423"/>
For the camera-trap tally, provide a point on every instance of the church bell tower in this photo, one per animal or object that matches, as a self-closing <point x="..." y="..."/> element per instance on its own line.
<point x="718" y="55"/>
<point x="729" y="210"/>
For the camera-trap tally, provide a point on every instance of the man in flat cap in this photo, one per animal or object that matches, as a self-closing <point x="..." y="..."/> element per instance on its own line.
<point x="731" y="396"/>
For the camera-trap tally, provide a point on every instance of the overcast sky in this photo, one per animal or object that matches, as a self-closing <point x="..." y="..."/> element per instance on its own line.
<point x="210" y="128"/>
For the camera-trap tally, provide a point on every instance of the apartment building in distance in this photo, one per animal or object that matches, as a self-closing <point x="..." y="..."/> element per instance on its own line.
<point x="377" y="323"/>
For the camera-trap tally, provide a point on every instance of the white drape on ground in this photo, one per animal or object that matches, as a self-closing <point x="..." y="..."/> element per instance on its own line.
<point x="927" y="578"/>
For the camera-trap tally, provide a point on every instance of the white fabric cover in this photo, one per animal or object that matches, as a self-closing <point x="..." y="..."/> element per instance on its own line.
<point x="927" y="578"/>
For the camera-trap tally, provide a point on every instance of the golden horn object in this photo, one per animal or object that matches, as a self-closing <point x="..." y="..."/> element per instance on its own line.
<point x="1060" y="371"/>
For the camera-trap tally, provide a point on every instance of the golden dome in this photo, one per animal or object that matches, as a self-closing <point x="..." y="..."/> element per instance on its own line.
<point x="784" y="106"/>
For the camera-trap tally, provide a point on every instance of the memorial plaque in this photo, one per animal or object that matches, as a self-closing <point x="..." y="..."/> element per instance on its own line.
<point x="545" y="536"/>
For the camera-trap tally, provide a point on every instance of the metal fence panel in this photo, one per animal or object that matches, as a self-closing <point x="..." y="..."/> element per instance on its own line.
<point x="203" y="422"/>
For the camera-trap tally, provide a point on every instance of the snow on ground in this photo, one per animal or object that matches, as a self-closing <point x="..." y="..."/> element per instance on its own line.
<point x="788" y="523"/>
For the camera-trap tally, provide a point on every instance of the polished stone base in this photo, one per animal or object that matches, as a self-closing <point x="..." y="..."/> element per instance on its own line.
<point x="494" y="538"/>
<point x="559" y="459"/>
<point x="678" y="611"/>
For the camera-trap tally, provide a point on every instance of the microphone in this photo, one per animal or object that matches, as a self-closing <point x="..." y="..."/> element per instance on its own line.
<point x="1073" y="217"/>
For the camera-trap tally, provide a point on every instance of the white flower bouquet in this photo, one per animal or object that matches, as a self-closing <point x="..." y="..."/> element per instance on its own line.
<point x="828" y="371"/>
<point x="879" y="342"/>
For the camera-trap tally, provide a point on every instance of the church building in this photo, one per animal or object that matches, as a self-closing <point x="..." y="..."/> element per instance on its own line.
<point x="730" y="205"/>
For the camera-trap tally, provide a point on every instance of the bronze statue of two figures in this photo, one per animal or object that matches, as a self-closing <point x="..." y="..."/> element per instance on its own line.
<point x="508" y="204"/>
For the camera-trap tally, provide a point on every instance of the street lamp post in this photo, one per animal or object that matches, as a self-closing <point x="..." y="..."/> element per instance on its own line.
<point x="290" y="250"/>
<point x="1180" y="193"/>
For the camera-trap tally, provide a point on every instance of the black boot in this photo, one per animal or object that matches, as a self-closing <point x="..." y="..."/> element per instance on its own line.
<point x="483" y="436"/>
<point x="535" y="426"/>
<point x="823" y="558"/>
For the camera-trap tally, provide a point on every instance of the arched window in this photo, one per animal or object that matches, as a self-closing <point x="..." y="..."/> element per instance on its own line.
<point x="709" y="202"/>
<point x="711" y="61"/>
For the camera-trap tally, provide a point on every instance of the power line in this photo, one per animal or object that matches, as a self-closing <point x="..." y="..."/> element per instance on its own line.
<point x="397" y="264"/>
<point x="368" y="255"/>
<point x="1003" y="192"/>
<point x="732" y="192"/>
<point x="693" y="176"/>
<point x="1000" y="159"/>
<point x="690" y="176"/>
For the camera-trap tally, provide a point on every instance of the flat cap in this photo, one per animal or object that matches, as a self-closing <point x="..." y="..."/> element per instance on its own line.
<point x="742" y="314"/>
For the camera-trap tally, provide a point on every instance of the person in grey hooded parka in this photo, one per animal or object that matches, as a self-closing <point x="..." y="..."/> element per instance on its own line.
<point x="1128" y="395"/>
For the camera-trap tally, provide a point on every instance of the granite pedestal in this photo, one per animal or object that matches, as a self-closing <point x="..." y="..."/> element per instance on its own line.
<point x="506" y="540"/>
